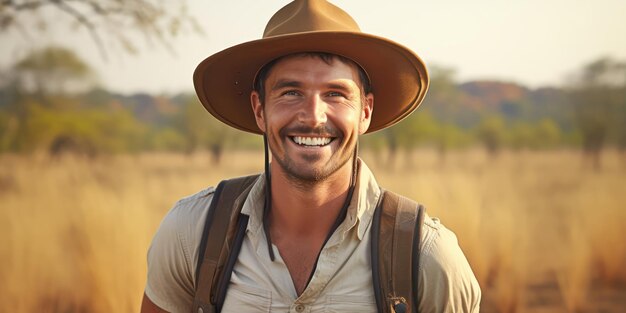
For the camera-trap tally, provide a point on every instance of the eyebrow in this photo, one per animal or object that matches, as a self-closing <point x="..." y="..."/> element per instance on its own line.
<point x="284" y="83"/>
<point x="287" y="83"/>
<point x="339" y="86"/>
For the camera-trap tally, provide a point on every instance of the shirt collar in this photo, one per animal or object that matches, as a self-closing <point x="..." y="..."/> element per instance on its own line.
<point x="360" y="210"/>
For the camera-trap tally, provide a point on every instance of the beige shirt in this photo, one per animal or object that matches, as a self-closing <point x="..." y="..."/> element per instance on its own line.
<point x="342" y="281"/>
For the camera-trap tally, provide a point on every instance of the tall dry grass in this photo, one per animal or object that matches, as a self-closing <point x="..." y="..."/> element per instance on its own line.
<point x="543" y="233"/>
<point x="542" y="230"/>
<point x="75" y="231"/>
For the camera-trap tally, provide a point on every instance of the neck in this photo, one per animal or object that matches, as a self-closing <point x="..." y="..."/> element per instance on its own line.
<point x="311" y="210"/>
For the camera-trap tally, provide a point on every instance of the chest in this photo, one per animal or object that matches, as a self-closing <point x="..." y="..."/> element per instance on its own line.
<point x="300" y="258"/>
<point x="342" y="280"/>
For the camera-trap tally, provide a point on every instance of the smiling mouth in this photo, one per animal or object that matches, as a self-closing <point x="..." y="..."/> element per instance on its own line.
<point x="311" y="141"/>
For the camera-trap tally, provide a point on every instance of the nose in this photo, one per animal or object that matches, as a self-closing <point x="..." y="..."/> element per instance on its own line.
<point x="313" y="112"/>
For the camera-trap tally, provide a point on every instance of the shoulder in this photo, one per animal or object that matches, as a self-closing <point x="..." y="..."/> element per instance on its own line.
<point x="450" y="284"/>
<point x="185" y="219"/>
<point x="436" y="239"/>
<point x="181" y="228"/>
<point x="195" y="201"/>
<point x="174" y="250"/>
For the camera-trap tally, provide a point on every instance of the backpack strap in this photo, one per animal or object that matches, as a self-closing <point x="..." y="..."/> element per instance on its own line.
<point x="225" y="226"/>
<point x="396" y="235"/>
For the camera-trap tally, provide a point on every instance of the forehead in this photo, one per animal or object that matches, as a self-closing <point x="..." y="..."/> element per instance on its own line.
<point x="313" y="68"/>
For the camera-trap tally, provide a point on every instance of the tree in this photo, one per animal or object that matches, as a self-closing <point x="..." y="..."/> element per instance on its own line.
<point x="491" y="132"/>
<point x="546" y="134"/>
<point x="445" y="99"/>
<point x="37" y="82"/>
<point x="202" y="130"/>
<point x="410" y="133"/>
<point x="598" y="95"/>
<point x="56" y="119"/>
<point x="375" y="143"/>
<point x="448" y="136"/>
<point x="53" y="71"/>
<point x="8" y="130"/>
<point x="521" y="135"/>
<point x="156" y="20"/>
<point x="420" y="127"/>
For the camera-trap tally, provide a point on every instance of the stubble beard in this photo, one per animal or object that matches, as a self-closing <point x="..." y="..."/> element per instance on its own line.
<point x="304" y="178"/>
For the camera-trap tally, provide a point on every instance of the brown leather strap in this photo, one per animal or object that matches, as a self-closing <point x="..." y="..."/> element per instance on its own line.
<point x="218" y="240"/>
<point x="396" y="236"/>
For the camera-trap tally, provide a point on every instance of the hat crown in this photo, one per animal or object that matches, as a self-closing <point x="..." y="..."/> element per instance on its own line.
<point x="302" y="16"/>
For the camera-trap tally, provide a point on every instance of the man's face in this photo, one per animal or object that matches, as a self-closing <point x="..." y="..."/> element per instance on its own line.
<point x="312" y="114"/>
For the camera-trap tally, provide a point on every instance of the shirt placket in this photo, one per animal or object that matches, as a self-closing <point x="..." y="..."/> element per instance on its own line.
<point x="326" y="268"/>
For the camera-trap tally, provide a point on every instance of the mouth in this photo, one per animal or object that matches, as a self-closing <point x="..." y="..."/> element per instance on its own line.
<point x="311" y="141"/>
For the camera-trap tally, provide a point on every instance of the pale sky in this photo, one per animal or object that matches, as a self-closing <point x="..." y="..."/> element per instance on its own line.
<point x="531" y="42"/>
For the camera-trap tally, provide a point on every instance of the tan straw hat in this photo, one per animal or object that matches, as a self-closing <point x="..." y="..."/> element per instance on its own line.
<point x="399" y="79"/>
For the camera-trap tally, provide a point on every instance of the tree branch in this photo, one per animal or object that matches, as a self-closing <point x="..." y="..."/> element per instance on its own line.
<point x="83" y="20"/>
<point x="24" y="5"/>
<point x="157" y="20"/>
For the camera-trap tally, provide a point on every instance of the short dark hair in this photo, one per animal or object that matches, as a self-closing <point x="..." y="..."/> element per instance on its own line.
<point x="259" y="82"/>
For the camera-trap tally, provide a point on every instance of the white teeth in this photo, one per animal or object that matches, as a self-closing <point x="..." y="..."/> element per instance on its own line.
<point x="312" y="141"/>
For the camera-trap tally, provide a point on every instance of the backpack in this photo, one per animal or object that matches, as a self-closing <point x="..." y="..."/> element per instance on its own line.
<point x="395" y="248"/>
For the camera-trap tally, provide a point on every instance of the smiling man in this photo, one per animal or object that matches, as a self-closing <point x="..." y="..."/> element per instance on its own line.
<point x="304" y="235"/>
<point x="313" y="112"/>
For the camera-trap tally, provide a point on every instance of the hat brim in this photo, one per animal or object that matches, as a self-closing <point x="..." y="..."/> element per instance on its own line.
<point x="399" y="78"/>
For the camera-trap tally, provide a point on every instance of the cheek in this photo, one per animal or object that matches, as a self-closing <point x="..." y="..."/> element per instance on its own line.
<point x="348" y="121"/>
<point x="275" y="119"/>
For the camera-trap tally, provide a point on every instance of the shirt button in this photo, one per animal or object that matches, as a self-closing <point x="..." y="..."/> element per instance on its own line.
<point x="299" y="308"/>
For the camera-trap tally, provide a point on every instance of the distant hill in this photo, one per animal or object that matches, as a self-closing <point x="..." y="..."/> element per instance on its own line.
<point x="462" y="104"/>
<point x="491" y="95"/>
<point x="469" y="102"/>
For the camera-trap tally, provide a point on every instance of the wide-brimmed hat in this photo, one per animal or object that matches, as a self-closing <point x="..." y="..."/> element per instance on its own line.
<point x="398" y="77"/>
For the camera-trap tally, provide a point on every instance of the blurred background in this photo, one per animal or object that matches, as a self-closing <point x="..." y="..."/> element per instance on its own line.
<point x="519" y="147"/>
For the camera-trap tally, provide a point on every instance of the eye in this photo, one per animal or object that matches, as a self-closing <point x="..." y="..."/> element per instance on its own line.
<point x="336" y="94"/>
<point x="291" y="93"/>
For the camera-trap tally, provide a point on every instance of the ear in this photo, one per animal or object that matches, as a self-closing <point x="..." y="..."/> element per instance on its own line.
<point x="257" y="108"/>
<point x="366" y="113"/>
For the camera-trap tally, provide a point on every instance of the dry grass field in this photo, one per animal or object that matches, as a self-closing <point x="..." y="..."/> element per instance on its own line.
<point x="543" y="232"/>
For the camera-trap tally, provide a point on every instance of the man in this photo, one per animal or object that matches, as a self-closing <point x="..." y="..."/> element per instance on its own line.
<point x="311" y="82"/>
